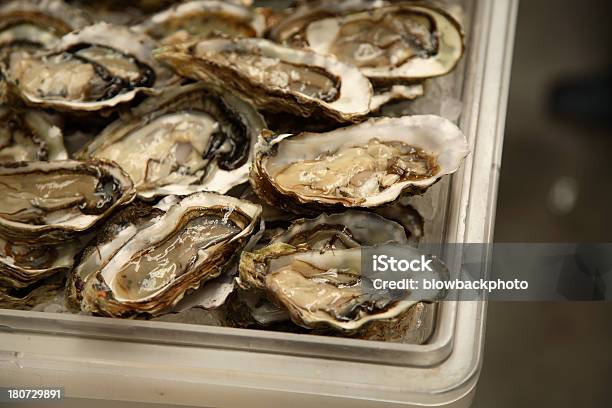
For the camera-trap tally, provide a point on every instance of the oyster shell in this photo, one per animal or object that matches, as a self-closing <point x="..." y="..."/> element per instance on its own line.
<point x="326" y="290"/>
<point x="276" y="78"/>
<point x="96" y="68"/>
<point x="34" y="24"/>
<point x="190" y="244"/>
<point x="21" y="265"/>
<point x="405" y="41"/>
<point x="199" y="20"/>
<point x="49" y="202"/>
<point x="32" y="296"/>
<point x="349" y="229"/>
<point x="193" y="137"/>
<point x="365" y="165"/>
<point x="290" y="29"/>
<point x="111" y="237"/>
<point x="29" y="136"/>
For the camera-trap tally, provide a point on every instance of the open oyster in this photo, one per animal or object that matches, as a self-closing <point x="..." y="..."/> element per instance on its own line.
<point x="327" y="289"/>
<point x="363" y="165"/>
<point x="48" y="202"/>
<point x="30" y="25"/>
<point x="202" y="19"/>
<point x="290" y="28"/>
<point x="24" y="264"/>
<point x="349" y="229"/>
<point x="193" y="135"/>
<point x="98" y="67"/>
<point x="404" y="41"/>
<point x="276" y="78"/>
<point x="29" y="136"/>
<point x="156" y="262"/>
<point x="33" y="296"/>
<point x="33" y="24"/>
<point x="327" y="232"/>
<point x="112" y="235"/>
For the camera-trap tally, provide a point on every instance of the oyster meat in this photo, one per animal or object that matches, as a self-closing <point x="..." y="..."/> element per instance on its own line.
<point x="48" y="202"/>
<point x="29" y="136"/>
<point x="327" y="290"/>
<point x="199" y="20"/>
<point x="276" y="78"/>
<point x="404" y="41"/>
<point x="151" y="270"/>
<point x="364" y="165"/>
<point x="192" y="137"/>
<point x="98" y="67"/>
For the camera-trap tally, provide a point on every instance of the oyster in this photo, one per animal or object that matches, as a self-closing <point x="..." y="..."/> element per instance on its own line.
<point x="98" y="67"/>
<point x="405" y="41"/>
<point x="34" y="24"/>
<point x="30" y="25"/>
<point x="21" y="265"/>
<point x="364" y="165"/>
<point x="276" y="78"/>
<point x="199" y="20"/>
<point x="327" y="232"/>
<point x="349" y="229"/>
<point x="149" y="271"/>
<point x="29" y="136"/>
<point x="49" y="202"/>
<point x="327" y="289"/>
<point x="193" y="135"/>
<point x="290" y="29"/>
<point x="32" y="296"/>
<point x="115" y="233"/>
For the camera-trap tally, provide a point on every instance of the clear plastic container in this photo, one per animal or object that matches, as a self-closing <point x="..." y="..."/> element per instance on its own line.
<point x="195" y="365"/>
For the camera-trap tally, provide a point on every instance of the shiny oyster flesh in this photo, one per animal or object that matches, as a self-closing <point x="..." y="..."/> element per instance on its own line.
<point x="21" y="265"/>
<point x="29" y="136"/>
<point x="328" y="289"/>
<point x="364" y="165"/>
<point x="48" y="202"/>
<point x="403" y="41"/>
<point x="191" y="137"/>
<point x="98" y="67"/>
<point x="276" y="78"/>
<point x="199" y="20"/>
<point x="190" y="244"/>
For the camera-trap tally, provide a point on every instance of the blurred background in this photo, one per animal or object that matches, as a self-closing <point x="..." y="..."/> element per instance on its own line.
<point x="555" y="187"/>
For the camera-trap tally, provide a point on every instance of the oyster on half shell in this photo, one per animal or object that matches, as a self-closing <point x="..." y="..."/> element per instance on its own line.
<point x="96" y="68"/>
<point x="193" y="137"/>
<point x="327" y="290"/>
<point x="49" y="202"/>
<point x="202" y="19"/>
<point x="364" y="165"/>
<point x="35" y="24"/>
<point x="276" y="78"/>
<point x="158" y="261"/>
<point x="29" y="136"/>
<point x="404" y="41"/>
